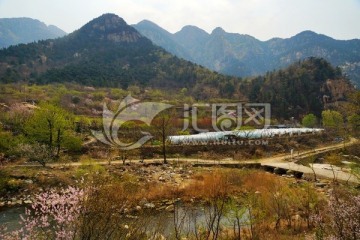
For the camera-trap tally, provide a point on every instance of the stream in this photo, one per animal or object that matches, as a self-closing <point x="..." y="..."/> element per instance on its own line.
<point x="161" y="221"/>
<point x="10" y="217"/>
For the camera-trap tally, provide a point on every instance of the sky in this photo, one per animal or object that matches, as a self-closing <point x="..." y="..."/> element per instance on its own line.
<point x="263" y="19"/>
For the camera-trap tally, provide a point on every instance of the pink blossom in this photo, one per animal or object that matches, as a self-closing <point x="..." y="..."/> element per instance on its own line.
<point x="52" y="215"/>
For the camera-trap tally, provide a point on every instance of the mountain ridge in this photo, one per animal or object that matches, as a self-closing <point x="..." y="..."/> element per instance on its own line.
<point x="104" y="52"/>
<point x="107" y="52"/>
<point x="15" y="31"/>
<point x="243" y="55"/>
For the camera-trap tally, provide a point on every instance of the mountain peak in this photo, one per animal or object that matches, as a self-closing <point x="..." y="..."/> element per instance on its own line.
<point x="192" y="29"/>
<point x="311" y="36"/>
<point x="106" y="22"/>
<point x="151" y="26"/>
<point x="147" y="22"/>
<point x="307" y="33"/>
<point x="110" y="27"/>
<point x="218" y="30"/>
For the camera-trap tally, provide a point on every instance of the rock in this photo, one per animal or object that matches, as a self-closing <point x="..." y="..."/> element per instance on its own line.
<point x="29" y="181"/>
<point x="170" y="208"/>
<point x="298" y="175"/>
<point x="161" y="208"/>
<point x="28" y="202"/>
<point x="143" y="201"/>
<point x="149" y="205"/>
<point x="132" y="217"/>
<point x="308" y="176"/>
<point x="279" y="171"/>
<point x="138" y="208"/>
<point x="320" y="190"/>
<point x="45" y="173"/>
<point x="19" y="202"/>
<point x="2" y="204"/>
<point x="169" y="202"/>
<point x="161" y="179"/>
<point x="159" y="236"/>
<point x="320" y="184"/>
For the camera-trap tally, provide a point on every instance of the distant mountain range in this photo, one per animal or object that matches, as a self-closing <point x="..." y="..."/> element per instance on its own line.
<point x="25" y="30"/>
<point x="107" y="52"/>
<point x="243" y="55"/>
<point x="104" y="52"/>
<point x="227" y="53"/>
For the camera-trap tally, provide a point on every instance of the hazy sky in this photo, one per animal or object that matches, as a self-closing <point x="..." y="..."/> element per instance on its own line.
<point x="262" y="19"/>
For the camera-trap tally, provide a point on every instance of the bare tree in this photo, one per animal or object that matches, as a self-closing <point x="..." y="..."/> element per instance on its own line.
<point x="179" y="217"/>
<point x="334" y="160"/>
<point x="162" y="127"/>
<point x="237" y="215"/>
<point x="311" y="165"/>
<point x="110" y="152"/>
<point x="36" y="153"/>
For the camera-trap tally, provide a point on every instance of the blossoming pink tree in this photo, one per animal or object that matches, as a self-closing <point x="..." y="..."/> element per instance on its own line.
<point x="53" y="215"/>
<point x="345" y="217"/>
<point x="341" y="220"/>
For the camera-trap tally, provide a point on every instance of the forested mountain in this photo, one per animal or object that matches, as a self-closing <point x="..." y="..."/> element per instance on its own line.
<point x="305" y="86"/>
<point x="104" y="52"/>
<point x="243" y="55"/>
<point x="25" y="30"/>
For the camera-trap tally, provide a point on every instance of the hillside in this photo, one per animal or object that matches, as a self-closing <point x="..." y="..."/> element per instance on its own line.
<point x="14" y="31"/>
<point x="243" y="55"/>
<point x="306" y="86"/>
<point x="104" y="52"/>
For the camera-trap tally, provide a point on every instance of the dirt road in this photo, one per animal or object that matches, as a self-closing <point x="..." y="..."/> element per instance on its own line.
<point x="285" y="161"/>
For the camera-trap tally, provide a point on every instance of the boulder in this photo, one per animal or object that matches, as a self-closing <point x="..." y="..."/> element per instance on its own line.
<point x="29" y="181"/>
<point x="320" y="184"/>
<point x="280" y="171"/>
<point x="143" y="201"/>
<point x="149" y="205"/>
<point x="170" y="208"/>
<point x="28" y="201"/>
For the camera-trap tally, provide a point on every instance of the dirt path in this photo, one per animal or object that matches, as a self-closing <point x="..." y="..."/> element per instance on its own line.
<point x="285" y="161"/>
